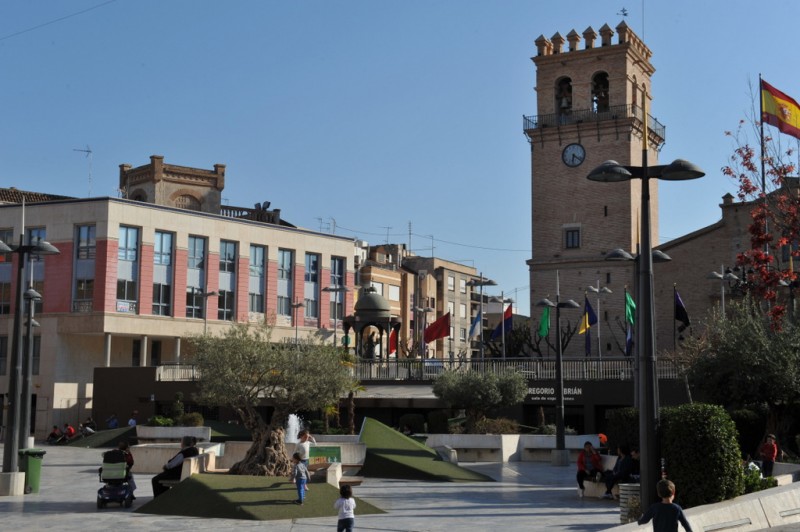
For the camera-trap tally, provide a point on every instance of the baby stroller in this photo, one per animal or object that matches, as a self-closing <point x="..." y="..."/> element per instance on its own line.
<point x="114" y="475"/>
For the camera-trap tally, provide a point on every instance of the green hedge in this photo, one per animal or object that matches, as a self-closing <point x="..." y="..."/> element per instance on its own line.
<point x="623" y="428"/>
<point x="701" y="452"/>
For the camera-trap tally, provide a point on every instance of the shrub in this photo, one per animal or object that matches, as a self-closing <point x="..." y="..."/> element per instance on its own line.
<point x="702" y="456"/>
<point x="160" y="421"/>
<point x="623" y="428"/>
<point x="438" y="422"/>
<point x="551" y="430"/>
<point x="754" y="482"/>
<point x="496" y="426"/>
<point x="177" y="409"/>
<point x="192" y="419"/>
<point x="750" y="425"/>
<point x="415" y="421"/>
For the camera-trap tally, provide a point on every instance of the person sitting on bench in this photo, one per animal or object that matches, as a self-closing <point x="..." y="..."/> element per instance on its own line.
<point x="172" y="469"/>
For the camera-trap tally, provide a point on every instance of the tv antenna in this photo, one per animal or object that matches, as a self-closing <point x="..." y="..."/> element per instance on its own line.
<point x="88" y="152"/>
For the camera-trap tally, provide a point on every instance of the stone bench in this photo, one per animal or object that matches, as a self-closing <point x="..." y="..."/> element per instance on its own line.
<point x="598" y="489"/>
<point x="203" y="463"/>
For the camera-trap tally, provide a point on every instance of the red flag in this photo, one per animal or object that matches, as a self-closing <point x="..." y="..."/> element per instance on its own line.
<point x="438" y="329"/>
<point x="393" y="342"/>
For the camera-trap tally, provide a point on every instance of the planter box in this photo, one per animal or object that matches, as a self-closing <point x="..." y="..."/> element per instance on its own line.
<point x="478" y="447"/>
<point x="150" y="458"/>
<point x="171" y="434"/>
<point x="537" y="447"/>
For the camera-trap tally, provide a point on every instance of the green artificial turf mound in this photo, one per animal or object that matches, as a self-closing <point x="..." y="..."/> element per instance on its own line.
<point x="222" y="432"/>
<point x="248" y="497"/>
<point x="391" y="454"/>
<point x="106" y="438"/>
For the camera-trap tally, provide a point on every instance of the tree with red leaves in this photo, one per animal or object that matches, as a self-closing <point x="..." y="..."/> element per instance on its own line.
<point x="766" y="182"/>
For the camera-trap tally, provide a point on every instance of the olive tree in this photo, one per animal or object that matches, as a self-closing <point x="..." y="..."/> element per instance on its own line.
<point x="244" y="369"/>
<point x="478" y="393"/>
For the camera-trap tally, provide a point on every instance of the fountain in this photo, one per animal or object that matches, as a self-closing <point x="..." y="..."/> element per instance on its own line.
<point x="292" y="428"/>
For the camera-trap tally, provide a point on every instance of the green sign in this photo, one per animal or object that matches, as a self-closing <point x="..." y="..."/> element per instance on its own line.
<point x="324" y="455"/>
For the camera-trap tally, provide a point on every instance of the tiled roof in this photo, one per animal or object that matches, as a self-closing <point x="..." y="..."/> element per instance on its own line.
<point x="13" y="195"/>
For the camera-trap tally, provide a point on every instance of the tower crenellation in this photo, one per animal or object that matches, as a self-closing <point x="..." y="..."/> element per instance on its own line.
<point x="625" y="36"/>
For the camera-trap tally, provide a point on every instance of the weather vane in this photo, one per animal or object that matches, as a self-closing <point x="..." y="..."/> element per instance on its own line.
<point x="623" y="12"/>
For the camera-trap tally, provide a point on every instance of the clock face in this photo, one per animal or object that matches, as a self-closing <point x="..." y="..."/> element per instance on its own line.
<point x="573" y="155"/>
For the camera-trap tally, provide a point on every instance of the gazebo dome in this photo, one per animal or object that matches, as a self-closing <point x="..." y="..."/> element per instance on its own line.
<point x="371" y="304"/>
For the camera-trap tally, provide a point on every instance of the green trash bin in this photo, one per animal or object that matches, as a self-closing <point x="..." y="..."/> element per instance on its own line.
<point x="31" y="464"/>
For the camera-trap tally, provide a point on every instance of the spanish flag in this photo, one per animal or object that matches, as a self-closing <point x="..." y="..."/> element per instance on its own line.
<point x="779" y="110"/>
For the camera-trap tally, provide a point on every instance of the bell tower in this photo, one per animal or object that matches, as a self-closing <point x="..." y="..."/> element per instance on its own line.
<point x="590" y="105"/>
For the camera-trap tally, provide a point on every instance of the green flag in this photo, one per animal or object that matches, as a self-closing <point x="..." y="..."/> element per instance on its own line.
<point x="630" y="309"/>
<point x="544" y="323"/>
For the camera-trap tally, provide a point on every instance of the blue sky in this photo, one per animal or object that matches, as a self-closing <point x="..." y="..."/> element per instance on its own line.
<point x="360" y="110"/>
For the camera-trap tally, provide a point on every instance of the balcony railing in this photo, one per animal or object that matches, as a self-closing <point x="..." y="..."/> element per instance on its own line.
<point x="589" y="115"/>
<point x="427" y="370"/>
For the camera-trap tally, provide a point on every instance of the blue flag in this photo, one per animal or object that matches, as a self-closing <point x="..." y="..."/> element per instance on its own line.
<point x="474" y="328"/>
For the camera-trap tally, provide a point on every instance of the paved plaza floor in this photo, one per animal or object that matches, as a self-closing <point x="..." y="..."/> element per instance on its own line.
<point x="527" y="496"/>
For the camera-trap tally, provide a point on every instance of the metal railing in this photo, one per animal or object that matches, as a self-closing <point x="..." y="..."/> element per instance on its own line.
<point x="590" y="115"/>
<point x="533" y="369"/>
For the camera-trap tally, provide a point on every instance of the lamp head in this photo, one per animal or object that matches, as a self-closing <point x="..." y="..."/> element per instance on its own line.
<point x="545" y="303"/>
<point x="569" y="303"/>
<point x="618" y="254"/>
<point x="660" y="256"/>
<point x="681" y="170"/>
<point x="610" y="172"/>
<point x="4" y="247"/>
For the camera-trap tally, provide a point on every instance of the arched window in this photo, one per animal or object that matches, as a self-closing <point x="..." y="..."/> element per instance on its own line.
<point x="634" y="93"/>
<point x="600" y="92"/>
<point x="190" y="203"/>
<point x="564" y="96"/>
<point x="139" y="196"/>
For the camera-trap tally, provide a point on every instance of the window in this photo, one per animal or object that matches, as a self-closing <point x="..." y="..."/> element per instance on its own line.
<point x="462" y="311"/>
<point x="227" y="256"/>
<point x="337" y="271"/>
<point x="462" y="334"/>
<point x="126" y="290"/>
<point x="572" y="238"/>
<point x="136" y="353"/>
<point x="84" y="290"/>
<point x="7" y="236"/>
<point x="194" y="304"/>
<point x="197" y="252"/>
<point x="5" y="298"/>
<point x="162" y="248"/>
<point x="312" y="268"/>
<point x="3" y="354"/>
<point x="225" y="305"/>
<point x="285" y="274"/>
<point x="394" y="293"/>
<point x="451" y="309"/>
<point x="312" y="286"/>
<point x="155" y="353"/>
<point x="87" y="244"/>
<point x="128" y="243"/>
<point x="162" y="296"/>
<point x="451" y="283"/>
<point x="462" y="286"/>
<point x="35" y="235"/>
<point x="256" y="292"/>
<point x="378" y="287"/>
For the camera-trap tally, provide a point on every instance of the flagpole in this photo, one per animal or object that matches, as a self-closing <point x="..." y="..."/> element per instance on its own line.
<point x="763" y="155"/>
<point x="503" y="321"/>
<point x="674" y="327"/>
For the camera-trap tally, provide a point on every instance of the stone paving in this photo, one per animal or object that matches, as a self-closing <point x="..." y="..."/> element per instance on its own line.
<point x="528" y="496"/>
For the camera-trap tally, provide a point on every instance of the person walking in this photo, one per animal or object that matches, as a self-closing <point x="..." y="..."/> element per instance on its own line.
<point x="299" y="476"/>
<point x="665" y="514"/>
<point x="346" y="506"/>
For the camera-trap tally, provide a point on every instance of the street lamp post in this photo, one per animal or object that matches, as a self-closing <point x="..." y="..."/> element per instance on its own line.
<point x="205" y="296"/>
<point x="13" y="428"/>
<point x="335" y="291"/>
<point x="481" y="281"/>
<point x="424" y="320"/>
<point x="610" y="172"/>
<point x="599" y="290"/>
<point x="296" y="305"/>
<point x="31" y="296"/>
<point x="502" y="300"/>
<point x="726" y="275"/>
<point x="560" y="455"/>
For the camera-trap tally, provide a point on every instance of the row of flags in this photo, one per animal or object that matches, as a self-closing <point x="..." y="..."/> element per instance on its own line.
<point x="589" y="319"/>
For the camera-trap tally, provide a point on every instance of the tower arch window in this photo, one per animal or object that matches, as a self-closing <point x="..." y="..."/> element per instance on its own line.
<point x="600" y="100"/>
<point x="564" y="96"/>
<point x="185" y="201"/>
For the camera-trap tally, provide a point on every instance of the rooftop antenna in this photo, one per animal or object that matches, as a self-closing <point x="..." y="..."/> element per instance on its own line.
<point x="88" y="152"/>
<point x="388" y="228"/>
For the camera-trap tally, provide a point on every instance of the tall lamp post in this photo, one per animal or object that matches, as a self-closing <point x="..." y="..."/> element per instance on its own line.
<point x="335" y="291"/>
<point x="726" y="275"/>
<point x="481" y="282"/>
<point x="31" y="296"/>
<point x="205" y="296"/>
<point x="612" y="172"/>
<point x="502" y="300"/>
<point x="12" y="436"/>
<point x="296" y="305"/>
<point x="560" y="456"/>
<point x="599" y="290"/>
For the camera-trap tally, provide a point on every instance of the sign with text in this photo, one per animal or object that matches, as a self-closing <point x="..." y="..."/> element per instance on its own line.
<point x="324" y="455"/>
<point x="548" y="393"/>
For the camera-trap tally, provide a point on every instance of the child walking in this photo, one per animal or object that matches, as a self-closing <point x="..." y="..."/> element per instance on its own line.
<point x="299" y="476"/>
<point x="665" y="514"/>
<point x="345" y="504"/>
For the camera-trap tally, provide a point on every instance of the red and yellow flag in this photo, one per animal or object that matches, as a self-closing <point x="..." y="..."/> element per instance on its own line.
<point x="779" y="110"/>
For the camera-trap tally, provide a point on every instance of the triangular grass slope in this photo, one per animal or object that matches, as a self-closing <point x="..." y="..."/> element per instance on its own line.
<point x="391" y="454"/>
<point x="247" y="497"/>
